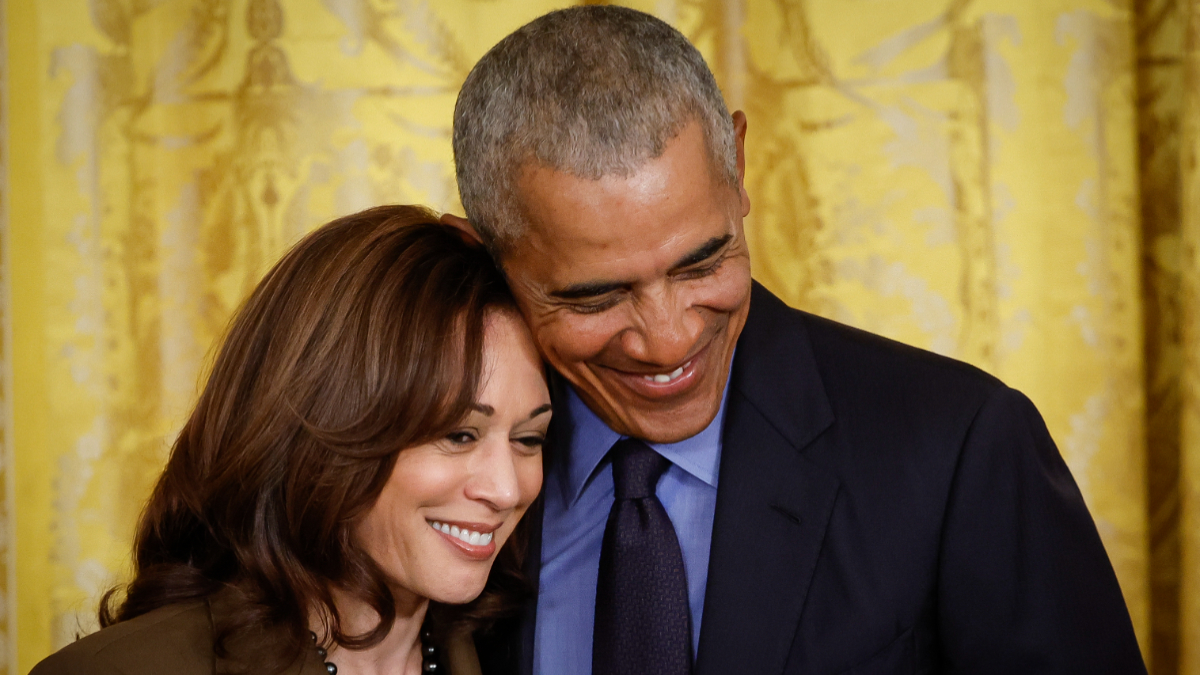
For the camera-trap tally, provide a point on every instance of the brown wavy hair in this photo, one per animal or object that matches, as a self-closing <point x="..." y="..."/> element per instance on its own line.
<point x="365" y="339"/>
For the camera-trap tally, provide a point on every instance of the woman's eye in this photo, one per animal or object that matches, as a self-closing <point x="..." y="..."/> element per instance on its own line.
<point x="531" y="442"/>
<point x="460" y="437"/>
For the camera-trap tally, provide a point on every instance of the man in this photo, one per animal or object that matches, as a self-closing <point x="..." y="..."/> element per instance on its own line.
<point x="821" y="501"/>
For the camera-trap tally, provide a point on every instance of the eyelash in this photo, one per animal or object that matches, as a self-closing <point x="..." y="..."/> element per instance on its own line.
<point x="698" y="272"/>
<point x="694" y="273"/>
<point x="460" y="437"/>
<point x="533" y="443"/>
<point x="466" y="438"/>
<point x="594" y="308"/>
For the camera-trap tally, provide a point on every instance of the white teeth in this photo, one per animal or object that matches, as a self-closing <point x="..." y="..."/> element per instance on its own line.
<point x="667" y="377"/>
<point x="468" y="536"/>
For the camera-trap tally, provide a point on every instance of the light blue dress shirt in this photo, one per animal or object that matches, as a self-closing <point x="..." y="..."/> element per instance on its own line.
<point x="579" y="495"/>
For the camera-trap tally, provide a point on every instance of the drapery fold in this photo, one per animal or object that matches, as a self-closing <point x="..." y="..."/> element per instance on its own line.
<point x="1009" y="182"/>
<point x="1188" y="488"/>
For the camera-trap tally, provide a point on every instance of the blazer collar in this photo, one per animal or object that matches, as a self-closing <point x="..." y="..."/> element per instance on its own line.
<point x="773" y="504"/>
<point x="241" y="648"/>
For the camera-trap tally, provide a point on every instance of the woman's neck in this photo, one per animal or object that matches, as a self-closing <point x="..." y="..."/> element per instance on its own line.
<point x="400" y="650"/>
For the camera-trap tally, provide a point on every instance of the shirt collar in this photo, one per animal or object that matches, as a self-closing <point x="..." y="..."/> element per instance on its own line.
<point x="591" y="440"/>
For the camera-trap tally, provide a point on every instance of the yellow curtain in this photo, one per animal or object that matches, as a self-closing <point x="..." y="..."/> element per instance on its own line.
<point x="1009" y="182"/>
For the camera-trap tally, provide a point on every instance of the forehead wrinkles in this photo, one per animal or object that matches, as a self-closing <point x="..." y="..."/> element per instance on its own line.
<point x="653" y="210"/>
<point x="620" y="229"/>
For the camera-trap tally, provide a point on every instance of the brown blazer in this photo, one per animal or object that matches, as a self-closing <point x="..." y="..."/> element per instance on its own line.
<point x="178" y="640"/>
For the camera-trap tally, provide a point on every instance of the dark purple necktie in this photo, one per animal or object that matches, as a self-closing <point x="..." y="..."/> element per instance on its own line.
<point x="642" y="620"/>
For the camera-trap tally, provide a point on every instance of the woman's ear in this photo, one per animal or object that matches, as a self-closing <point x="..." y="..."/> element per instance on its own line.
<point x="463" y="226"/>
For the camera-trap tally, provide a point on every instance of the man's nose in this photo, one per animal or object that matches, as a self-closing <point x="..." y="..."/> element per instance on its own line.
<point x="493" y="477"/>
<point x="666" y="329"/>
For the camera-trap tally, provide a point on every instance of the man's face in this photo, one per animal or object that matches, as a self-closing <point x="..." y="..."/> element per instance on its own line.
<point x="637" y="288"/>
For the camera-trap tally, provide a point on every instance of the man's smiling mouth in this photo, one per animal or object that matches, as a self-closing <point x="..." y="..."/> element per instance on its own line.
<point x="665" y="385"/>
<point x="663" y="378"/>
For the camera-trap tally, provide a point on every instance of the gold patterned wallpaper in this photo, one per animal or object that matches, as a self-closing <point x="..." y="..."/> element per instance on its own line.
<point x="1010" y="182"/>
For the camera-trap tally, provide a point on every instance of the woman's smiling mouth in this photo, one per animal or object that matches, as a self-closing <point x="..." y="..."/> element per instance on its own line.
<point x="474" y="540"/>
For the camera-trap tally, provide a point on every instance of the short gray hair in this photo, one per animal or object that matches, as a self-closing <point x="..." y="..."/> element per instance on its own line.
<point x="591" y="91"/>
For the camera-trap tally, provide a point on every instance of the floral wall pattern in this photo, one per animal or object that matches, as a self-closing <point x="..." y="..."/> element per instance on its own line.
<point x="1009" y="182"/>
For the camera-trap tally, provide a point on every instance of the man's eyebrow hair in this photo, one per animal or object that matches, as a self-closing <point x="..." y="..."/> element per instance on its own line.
<point x="704" y="252"/>
<point x="592" y="289"/>
<point x="587" y="289"/>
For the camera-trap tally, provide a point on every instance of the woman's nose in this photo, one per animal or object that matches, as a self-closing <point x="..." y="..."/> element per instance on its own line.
<point x="493" y="476"/>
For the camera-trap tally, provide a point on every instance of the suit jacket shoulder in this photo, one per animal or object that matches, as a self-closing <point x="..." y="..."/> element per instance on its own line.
<point x="174" y="639"/>
<point x="858" y="374"/>
<point x="908" y="509"/>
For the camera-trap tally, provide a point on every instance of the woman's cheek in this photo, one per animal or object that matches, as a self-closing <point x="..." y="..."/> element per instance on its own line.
<point x="529" y="477"/>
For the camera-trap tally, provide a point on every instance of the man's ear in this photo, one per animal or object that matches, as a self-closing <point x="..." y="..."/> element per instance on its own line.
<point x="463" y="226"/>
<point x="739" y="130"/>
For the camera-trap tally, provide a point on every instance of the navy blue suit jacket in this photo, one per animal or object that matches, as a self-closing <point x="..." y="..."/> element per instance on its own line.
<point x="883" y="510"/>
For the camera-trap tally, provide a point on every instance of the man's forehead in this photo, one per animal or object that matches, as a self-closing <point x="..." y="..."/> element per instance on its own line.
<point x="573" y="228"/>
<point x="586" y="235"/>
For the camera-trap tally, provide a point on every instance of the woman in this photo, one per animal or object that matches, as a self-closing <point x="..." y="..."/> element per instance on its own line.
<point x="367" y="441"/>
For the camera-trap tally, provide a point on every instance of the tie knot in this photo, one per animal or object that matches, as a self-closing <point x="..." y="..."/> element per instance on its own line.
<point x="636" y="469"/>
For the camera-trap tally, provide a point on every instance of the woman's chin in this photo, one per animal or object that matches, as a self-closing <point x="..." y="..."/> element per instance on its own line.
<point x="450" y="583"/>
<point x="460" y="594"/>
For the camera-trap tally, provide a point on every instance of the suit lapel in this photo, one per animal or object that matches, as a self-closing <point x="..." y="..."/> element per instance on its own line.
<point x="773" y="504"/>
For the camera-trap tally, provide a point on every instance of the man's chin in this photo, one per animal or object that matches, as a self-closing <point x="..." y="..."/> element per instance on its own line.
<point x="667" y="427"/>
<point x="670" y="436"/>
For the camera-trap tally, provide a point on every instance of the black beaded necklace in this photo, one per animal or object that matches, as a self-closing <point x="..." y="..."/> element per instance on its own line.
<point x="429" y="659"/>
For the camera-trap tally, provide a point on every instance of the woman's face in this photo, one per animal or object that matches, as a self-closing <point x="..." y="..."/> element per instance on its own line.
<point x="451" y="504"/>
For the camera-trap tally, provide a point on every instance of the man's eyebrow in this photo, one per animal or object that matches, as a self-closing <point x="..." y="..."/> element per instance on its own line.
<point x="588" y="289"/>
<point x="704" y="252"/>
<point x="592" y="289"/>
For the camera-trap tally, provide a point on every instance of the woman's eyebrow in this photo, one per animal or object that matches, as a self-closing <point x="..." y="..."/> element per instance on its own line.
<point x="489" y="410"/>
<point x="540" y="410"/>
